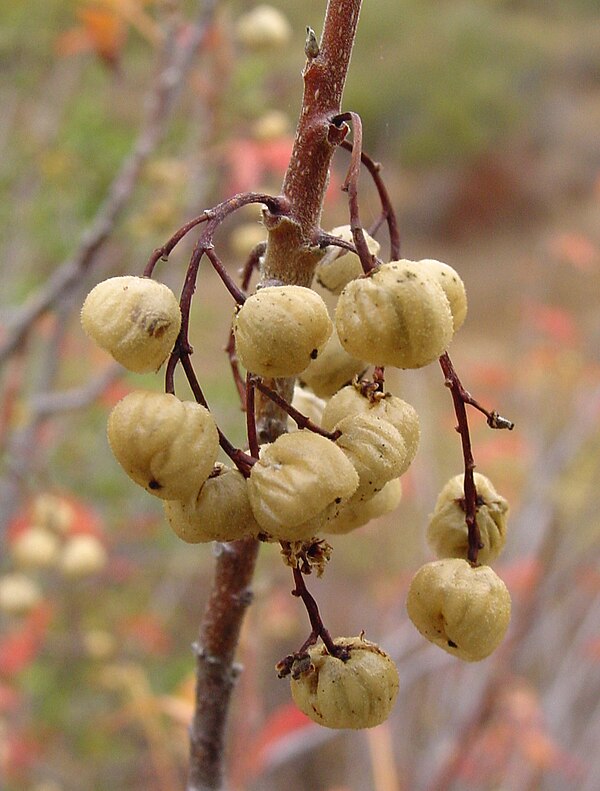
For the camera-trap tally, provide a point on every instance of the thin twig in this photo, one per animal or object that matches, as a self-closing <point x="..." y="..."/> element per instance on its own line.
<point x="388" y="213"/>
<point x="350" y="186"/>
<point x="301" y="420"/>
<point x="453" y="383"/>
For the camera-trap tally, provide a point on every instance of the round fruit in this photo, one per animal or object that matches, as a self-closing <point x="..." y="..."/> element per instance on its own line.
<point x="220" y="512"/>
<point x="82" y="555"/>
<point x="357" y="513"/>
<point x="375" y="448"/>
<point x="356" y="693"/>
<point x="332" y="369"/>
<point x="280" y="329"/>
<point x="453" y="287"/>
<point x="166" y="445"/>
<point x="135" y="319"/>
<point x="397" y="316"/>
<point x="339" y="266"/>
<point x="35" y="547"/>
<point x="351" y="401"/>
<point x="19" y="594"/>
<point x="447" y="532"/>
<point x="299" y="482"/>
<point x="262" y="28"/>
<point x="463" y="609"/>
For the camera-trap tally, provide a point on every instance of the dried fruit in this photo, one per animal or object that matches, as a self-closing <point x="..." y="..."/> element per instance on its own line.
<point x="447" y="530"/>
<point x="82" y="555"/>
<point x="351" y="401"/>
<point x="18" y="594"/>
<point x="356" y="693"/>
<point x="339" y="266"/>
<point x="35" y="547"/>
<point x="220" y="512"/>
<point x="463" y="609"/>
<point x="166" y="445"/>
<point x="332" y="369"/>
<point x="280" y="329"/>
<point x="357" y="513"/>
<point x="135" y="319"/>
<point x="376" y="450"/>
<point x="453" y="287"/>
<point x="398" y="316"/>
<point x="300" y="481"/>
<point x="265" y="27"/>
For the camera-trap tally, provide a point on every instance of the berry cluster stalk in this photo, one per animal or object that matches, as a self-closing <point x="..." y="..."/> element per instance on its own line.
<point x="291" y="256"/>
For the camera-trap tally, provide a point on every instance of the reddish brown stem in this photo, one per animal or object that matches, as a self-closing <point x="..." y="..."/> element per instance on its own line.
<point x="251" y="417"/>
<point x="350" y="186"/>
<point x="314" y="616"/>
<point x="387" y="210"/>
<point x="457" y="390"/>
<point x="215" y="654"/>
<point x="290" y="258"/>
<point x="301" y="420"/>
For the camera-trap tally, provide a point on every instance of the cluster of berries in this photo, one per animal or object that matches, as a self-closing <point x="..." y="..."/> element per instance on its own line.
<point x="330" y="477"/>
<point x="43" y="541"/>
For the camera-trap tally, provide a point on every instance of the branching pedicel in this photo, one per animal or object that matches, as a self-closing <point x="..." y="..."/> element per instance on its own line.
<point x="334" y="472"/>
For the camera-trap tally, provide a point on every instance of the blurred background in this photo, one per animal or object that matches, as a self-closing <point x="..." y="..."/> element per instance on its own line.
<point x="120" y="120"/>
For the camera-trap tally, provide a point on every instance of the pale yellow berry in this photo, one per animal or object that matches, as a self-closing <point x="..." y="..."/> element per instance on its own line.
<point x="35" y="547"/>
<point x="339" y="266"/>
<point x="53" y="512"/>
<point x="447" y="532"/>
<point x="135" y="319"/>
<point x="310" y="405"/>
<point x="82" y="556"/>
<point x="357" y="513"/>
<point x="280" y="329"/>
<point x="402" y="415"/>
<point x="220" y="512"/>
<point x="453" y="286"/>
<point x="376" y="450"/>
<point x="463" y="609"/>
<point x="166" y="445"/>
<point x="263" y="28"/>
<point x="271" y="126"/>
<point x="332" y="369"/>
<point x="19" y="594"/>
<point x="300" y="481"/>
<point x="398" y="316"/>
<point x="356" y="693"/>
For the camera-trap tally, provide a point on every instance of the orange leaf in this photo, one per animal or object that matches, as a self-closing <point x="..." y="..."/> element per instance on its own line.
<point x="100" y="31"/>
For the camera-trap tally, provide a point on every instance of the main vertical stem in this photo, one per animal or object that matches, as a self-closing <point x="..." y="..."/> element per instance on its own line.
<point x="290" y="258"/>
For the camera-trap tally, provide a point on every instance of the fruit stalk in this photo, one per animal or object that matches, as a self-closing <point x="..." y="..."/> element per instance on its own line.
<point x="290" y="259"/>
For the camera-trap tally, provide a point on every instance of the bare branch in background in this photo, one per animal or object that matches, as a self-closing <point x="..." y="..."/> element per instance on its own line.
<point x="174" y="63"/>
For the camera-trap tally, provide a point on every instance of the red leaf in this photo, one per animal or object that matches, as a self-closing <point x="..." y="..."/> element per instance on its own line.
<point x="149" y="634"/>
<point x="522" y="575"/>
<point x="284" y="728"/>
<point x="20" y="648"/>
<point x="554" y="322"/>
